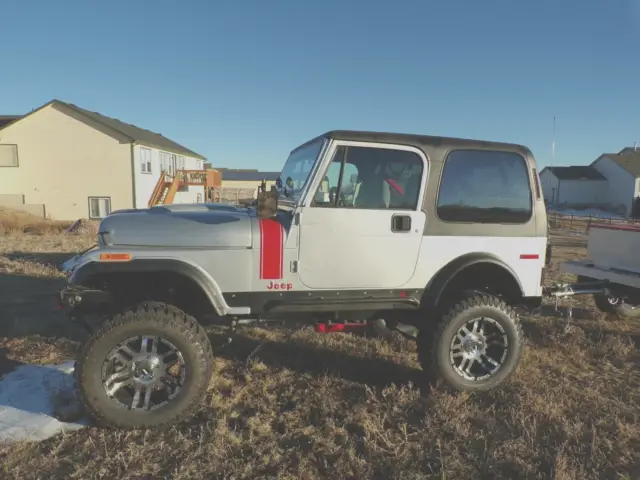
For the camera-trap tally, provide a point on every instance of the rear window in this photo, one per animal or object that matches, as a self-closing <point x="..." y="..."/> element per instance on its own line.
<point x="484" y="186"/>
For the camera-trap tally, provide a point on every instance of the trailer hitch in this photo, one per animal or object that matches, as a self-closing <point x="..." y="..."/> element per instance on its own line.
<point x="567" y="291"/>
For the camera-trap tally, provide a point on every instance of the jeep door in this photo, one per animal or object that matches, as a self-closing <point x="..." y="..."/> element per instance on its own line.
<point x="361" y="225"/>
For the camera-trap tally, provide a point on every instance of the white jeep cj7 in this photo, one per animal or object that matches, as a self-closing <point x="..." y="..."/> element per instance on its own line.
<point x="446" y="235"/>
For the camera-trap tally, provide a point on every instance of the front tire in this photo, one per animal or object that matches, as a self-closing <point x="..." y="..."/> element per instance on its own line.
<point x="476" y="346"/>
<point x="146" y="367"/>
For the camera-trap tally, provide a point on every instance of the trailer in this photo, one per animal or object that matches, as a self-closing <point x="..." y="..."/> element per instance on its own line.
<point x="611" y="271"/>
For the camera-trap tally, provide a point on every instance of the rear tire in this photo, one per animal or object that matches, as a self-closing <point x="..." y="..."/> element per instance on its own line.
<point x="475" y="347"/>
<point x="167" y="337"/>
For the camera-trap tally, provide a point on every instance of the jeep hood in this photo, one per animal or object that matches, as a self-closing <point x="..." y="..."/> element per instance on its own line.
<point x="183" y="225"/>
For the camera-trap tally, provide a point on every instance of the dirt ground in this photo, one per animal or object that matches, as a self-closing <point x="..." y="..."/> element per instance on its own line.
<point x="293" y="404"/>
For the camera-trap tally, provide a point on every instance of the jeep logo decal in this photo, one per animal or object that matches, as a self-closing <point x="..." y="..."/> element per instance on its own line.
<point x="279" y="286"/>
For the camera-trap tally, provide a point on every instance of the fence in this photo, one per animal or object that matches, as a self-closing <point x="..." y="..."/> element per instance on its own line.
<point x="235" y="196"/>
<point x="583" y="222"/>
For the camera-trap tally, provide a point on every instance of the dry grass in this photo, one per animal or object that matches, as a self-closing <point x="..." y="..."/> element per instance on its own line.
<point x="290" y="403"/>
<point x="13" y="221"/>
<point x="17" y="222"/>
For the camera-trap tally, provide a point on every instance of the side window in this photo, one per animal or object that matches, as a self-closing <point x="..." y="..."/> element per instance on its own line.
<point x="371" y="178"/>
<point x="145" y="160"/>
<point x="8" y="155"/>
<point x="484" y="187"/>
<point x="99" y="207"/>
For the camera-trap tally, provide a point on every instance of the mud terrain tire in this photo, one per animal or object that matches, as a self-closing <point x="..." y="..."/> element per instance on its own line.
<point x="435" y="342"/>
<point x="149" y="319"/>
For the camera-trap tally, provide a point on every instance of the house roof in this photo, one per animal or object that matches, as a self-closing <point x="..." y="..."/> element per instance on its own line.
<point x="7" y="119"/>
<point x="140" y="135"/>
<point x="629" y="160"/>
<point x="575" y="173"/>
<point x="247" y="175"/>
<point x="136" y="134"/>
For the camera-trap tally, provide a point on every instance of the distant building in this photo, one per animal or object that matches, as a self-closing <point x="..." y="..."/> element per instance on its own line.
<point x="246" y="178"/>
<point x="612" y="181"/>
<point x="71" y="163"/>
<point x="580" y="185"/>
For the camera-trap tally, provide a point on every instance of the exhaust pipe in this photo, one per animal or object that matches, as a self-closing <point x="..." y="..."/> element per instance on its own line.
<point x="381" y="328"/>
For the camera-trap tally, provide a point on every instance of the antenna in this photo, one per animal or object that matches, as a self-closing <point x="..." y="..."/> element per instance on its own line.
<point x="553" y="143"/>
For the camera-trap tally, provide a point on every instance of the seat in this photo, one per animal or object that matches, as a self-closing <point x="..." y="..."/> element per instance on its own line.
<point x="370" y="194"/>
<point x="411" y="191"/>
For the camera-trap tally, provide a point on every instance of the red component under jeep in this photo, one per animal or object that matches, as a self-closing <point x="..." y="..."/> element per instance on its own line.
<point x="338" y="327"/>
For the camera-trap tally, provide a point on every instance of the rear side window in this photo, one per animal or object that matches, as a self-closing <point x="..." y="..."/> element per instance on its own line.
<point x="483" y="186"/>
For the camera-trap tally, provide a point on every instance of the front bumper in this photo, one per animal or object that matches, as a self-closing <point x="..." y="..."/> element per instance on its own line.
<point x="78" y="300"/>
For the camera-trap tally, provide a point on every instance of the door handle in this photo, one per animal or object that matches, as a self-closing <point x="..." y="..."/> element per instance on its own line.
<point x="400" y="223"/>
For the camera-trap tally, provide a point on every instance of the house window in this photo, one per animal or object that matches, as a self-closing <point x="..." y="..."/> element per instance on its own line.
<point x="99" y="207"/>
<point x="165" y="162"/>
<point x="8" y="155"/>
<point x="180" y="162"/>
<point x="172" y="164"/>
<point x="145" y="160"/>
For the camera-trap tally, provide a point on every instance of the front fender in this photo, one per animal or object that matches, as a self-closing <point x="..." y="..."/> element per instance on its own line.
<point x="91" y="268"/>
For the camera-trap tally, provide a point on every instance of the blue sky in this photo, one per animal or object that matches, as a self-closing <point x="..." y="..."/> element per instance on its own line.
<point x="244" y="81"/>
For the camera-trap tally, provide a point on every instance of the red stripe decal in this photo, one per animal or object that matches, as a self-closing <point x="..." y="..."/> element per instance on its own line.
<point x="271" y="249"/>
<point x="529" y="256"/>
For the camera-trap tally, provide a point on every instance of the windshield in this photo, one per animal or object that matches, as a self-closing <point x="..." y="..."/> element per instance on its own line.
<point x="297" y="169"/>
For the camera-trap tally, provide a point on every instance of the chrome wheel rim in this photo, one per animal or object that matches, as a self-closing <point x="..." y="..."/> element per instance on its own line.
<point x="143" y="373"/>
<point x="479" y="349"/>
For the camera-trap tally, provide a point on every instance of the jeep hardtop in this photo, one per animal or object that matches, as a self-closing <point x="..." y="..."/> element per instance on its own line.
<point x="446" y="235"/>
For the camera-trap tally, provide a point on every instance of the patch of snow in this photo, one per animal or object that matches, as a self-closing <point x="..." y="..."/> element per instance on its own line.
<point x="27" y="402"/>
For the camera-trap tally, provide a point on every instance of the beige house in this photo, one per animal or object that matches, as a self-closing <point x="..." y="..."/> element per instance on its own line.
<point x="81" y="164"/>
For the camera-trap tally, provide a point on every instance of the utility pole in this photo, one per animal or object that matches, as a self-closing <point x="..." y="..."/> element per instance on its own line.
<point x="553" y="143"/>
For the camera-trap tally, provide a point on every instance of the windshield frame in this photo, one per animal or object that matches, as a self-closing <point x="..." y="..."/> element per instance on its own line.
<point x="298" y="195"/>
